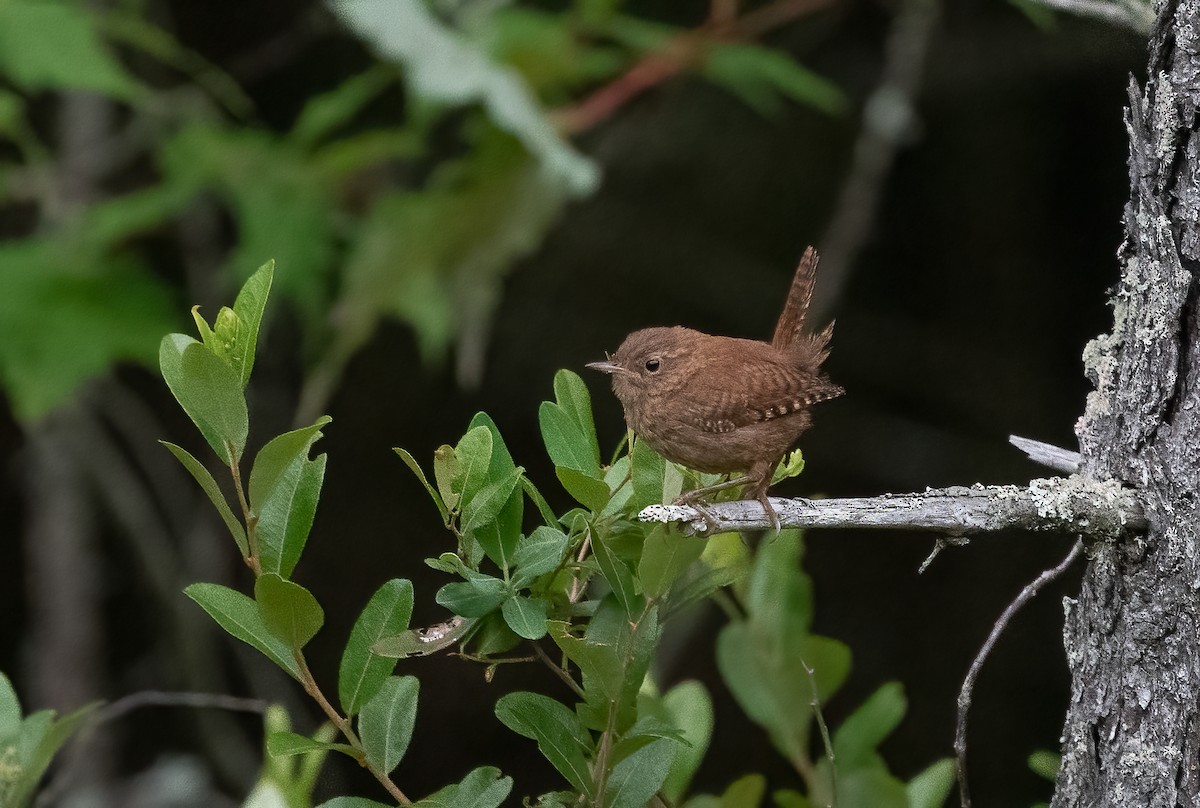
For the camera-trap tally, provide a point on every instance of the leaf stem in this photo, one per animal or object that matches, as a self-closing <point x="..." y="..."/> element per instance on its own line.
<point x="253" y="560"/>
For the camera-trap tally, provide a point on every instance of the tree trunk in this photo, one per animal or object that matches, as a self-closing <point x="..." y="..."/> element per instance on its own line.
<point x="1132" y="734"/>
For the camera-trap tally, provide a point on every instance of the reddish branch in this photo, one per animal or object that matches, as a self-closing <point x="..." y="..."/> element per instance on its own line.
<point x="678" y="54"/>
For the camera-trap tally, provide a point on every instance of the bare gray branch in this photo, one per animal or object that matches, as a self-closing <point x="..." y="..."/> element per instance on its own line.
<point x="1076" y="504"/>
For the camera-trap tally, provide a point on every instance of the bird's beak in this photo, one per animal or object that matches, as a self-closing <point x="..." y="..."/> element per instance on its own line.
<point x="605" y="367"/>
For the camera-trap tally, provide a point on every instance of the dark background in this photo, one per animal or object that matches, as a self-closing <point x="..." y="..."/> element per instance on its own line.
<point x="961" y="322"/>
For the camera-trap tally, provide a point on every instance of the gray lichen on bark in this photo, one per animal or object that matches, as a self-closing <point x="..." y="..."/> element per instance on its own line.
<point x="1132" y="731"/>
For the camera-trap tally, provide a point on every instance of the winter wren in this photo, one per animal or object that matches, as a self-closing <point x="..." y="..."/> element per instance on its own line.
<point x="722" y="404"/>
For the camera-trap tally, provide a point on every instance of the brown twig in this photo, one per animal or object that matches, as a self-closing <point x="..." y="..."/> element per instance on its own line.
<point x="343" y="726"/>
<point x="964" y="697"/>
<point x="558" y="671"/>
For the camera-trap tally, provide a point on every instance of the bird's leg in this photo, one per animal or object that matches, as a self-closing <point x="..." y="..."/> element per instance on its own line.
<point x="762" y="473"/>
<point x="695" y="499"/>
<point x="693" y="496"/>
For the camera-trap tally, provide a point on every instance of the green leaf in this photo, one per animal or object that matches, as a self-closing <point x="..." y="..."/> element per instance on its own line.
<point x="855" y="741"/>
<point x="210" y="487"/>
<point x="868" y="787"/>
<point x="272" y="462"/>
<point x="473" y="598"/>
<point x="691" y="710"/>
<point x="447" y="472"/>
<point x="539" y="554"/>
<point x="617" y="573"/>
<point x="759" y="76"/>
<point x="648" y="469"/>
<point x="66" y="317"/>
<point x="787" y="798"/>
<point x="240" y="616"/>
<point x="110" y="222"/>
<point x="559" y="735"/>
<point x="362" y="672"/>
<point x="302" y="511"/>
<point x="526" y="616"/>
<point x="327" y="111"/>
<point x="544" y="509"/>
<point x="56" y="46"/>
<point x="10" y="710"/>
<point x="930" y="787"/>
<point x="766" y="674"/>
<point x="38" y="741"/>
<point x="426" y="641"/>
<point x="387" y="720"/>
<point x="289" y="611"/>
<point x="665" y="556"/>
<point x="415" y="467"/>
<point x="648" y="728"/>
<point x="566" y="442"/>
<point x="482" y="788"/>
<point x="593" y="494"/>
<point x="285" y="487"/>
<point x="354" y="802"/>
<point x="286" y="744"/>
<point x="499" y="536"/>
<point x="501" y="463"/>
<point x="493" y="637"/>
<point x="444" y="67"/>
<point x="209" y="391"/>
<point x="792" y="466"/>
<point x="249" y="306"/>
<point x="638" y="777"/>
<point x="482" y="510"/>
<point x="600" y="663"/>
<point x="746" y="792"/>
<point x="778" y="592"/>
<point x="1042" y="763"/>
<point x="474" y="456"/>
<point x="573" y="398"/>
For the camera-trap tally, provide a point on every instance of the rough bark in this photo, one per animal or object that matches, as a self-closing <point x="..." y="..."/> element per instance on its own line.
<point x="1132" y="733"/>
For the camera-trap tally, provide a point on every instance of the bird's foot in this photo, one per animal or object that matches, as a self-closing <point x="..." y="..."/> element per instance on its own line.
<point x="770" y="511"/>
<point x="695" y="501"/>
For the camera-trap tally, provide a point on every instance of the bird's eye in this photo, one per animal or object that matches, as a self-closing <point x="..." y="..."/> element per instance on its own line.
<point x="652" y="365"/>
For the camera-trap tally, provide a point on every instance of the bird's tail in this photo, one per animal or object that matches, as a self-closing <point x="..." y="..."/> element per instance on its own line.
<point x="790" y="335"/>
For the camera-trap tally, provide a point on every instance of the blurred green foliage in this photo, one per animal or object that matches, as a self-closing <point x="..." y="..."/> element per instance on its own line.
<point x="366" y="218"/>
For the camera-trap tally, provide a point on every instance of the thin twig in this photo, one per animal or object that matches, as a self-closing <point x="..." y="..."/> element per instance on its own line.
<point x="557" y="669"/>
<point x="968" y="687"/>
<point x="577" y="586"/>
<point x="343" y="726"/>
<point x="815" y="703"/>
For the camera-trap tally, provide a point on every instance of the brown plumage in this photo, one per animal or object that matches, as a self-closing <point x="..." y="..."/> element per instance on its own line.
<point x="723" y="404"/>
